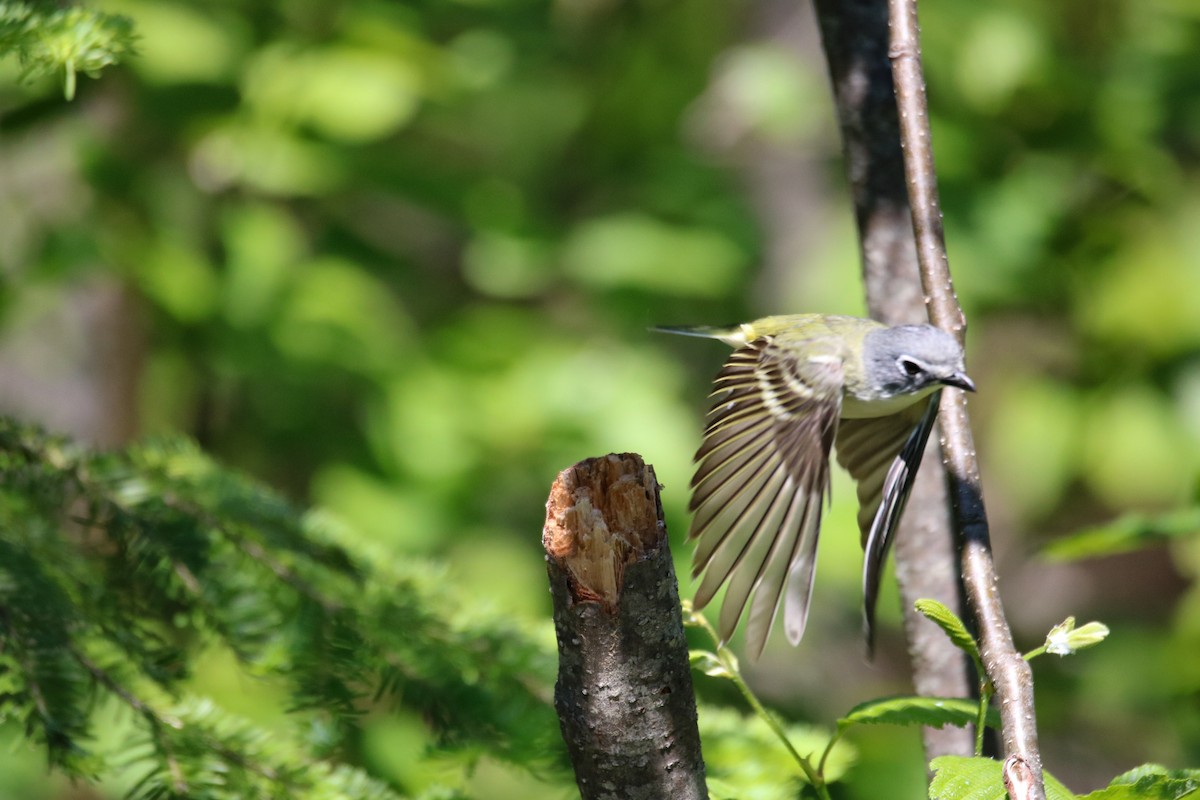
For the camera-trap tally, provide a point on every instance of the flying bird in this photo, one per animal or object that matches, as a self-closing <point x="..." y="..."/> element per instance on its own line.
<point x="794" y="387"/>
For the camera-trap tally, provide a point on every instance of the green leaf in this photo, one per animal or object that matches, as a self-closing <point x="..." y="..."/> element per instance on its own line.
<point x="1150" y="782"/>
<point x="959" y="778"/>
<point x="946" y="619"/>
<point x="934" y="712"/>
<point x="1131" y="532"/>
<point x="708" y="663"/>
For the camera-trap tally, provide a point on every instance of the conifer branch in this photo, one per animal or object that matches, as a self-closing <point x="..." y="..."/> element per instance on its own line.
<point x="284" y="573"/>
<point x="146" y="554"/>
<point x="129" y="698"/>
<point x="155" y="719"/>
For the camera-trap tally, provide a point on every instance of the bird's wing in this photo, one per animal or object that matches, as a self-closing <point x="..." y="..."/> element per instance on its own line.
<point x="762" y="474"/>
<point x="883" y="454"/>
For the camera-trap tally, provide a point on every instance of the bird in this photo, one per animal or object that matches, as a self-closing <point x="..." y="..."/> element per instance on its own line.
<point x="795" y="387"/>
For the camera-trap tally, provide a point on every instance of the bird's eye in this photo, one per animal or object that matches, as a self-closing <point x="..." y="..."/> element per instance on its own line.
<point x="911" y="368"/>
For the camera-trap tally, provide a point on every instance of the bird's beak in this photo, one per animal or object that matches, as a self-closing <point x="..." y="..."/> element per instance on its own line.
<point x="960" y="380"/>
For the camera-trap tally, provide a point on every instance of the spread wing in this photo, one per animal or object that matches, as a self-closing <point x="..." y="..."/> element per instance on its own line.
<point x="762" y="474"/>
<point x="883" y="455"/>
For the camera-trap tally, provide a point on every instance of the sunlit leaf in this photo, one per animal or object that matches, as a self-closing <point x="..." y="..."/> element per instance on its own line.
<point x="960" y="778"/>
<point x="1003" y="49"/>
<point x="949" y="622"/>
<point x="709" y="664"/>
<point x="1133" y="453"/>
<point x="638" y="251"/>
<point x="181" y="43"/>
<point x="1150" y="782"/>
<point x="934" y="712"/>
<point x="346" y="93"/>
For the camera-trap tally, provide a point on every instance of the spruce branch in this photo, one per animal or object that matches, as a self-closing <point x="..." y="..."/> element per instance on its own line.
<point x="854" y="34"/>
<point x="1009" y="672"/>
<point x="116" y="568"/>
<point x="155" y="719"/>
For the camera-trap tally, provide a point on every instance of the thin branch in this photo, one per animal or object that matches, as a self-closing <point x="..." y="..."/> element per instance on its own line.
<point x="285" y="573"/>
<point x="855" y="38"/>
<point x="1008" y="671"/>
<point x="255" y="551"/>
<point x="156" y="719"/>
<point x="159" y="720"/>
<point x="102" y="676"/>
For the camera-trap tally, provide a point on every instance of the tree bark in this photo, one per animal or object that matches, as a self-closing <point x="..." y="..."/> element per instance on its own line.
<point x="624" y="693"/>
<point x="855" y="37"/>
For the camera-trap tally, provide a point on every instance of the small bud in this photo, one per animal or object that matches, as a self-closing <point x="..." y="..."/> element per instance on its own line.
<point x="1065" y="639"/>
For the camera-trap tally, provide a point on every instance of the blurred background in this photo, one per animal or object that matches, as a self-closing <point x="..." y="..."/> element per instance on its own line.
<point x="398" y="261"/>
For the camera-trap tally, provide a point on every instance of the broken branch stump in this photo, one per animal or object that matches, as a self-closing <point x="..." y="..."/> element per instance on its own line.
<point x="624" y="693"/>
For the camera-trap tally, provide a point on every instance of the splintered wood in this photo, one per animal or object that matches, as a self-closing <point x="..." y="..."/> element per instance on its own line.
<point x="624" y="692"/>
<point x="602" y="515"/>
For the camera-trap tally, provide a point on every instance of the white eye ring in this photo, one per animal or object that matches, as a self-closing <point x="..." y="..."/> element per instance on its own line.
<point x="909" y="367"/>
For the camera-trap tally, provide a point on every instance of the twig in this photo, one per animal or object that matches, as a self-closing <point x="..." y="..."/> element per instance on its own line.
<point x="727" y="664"/>
<point x="155" y="719"/>
<point x="1008" y="671"/>
<point x="855" y="38"/>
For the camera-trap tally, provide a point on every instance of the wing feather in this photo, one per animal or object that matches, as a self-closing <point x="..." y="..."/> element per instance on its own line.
<point x="762" y="473"/>
<point x="883" y="455"/>
<point x="758" y="548"/>
<point x="724" y="525"/>
<point x="801" y="571"/>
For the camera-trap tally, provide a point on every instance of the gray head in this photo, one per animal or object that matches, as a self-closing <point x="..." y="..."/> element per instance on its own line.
<point x="909" y="358"/>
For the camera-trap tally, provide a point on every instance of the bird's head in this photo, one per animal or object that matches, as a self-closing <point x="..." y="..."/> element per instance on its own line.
<point x="910" y="358"/>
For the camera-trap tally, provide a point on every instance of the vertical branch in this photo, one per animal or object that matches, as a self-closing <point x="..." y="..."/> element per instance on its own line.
<point x="1008" y="671"/>
<point x="624" y="693"/>
<point x="855" y="37"/>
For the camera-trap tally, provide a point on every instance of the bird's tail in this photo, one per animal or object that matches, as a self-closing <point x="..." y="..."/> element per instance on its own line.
<point x="724" y="332"/>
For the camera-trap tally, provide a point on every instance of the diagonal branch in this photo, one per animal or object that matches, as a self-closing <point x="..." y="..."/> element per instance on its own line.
<point x="1008" y="672"/>
<point x="854" y="34"/>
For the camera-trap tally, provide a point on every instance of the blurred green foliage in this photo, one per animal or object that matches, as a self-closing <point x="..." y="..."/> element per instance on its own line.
<point x="748" y="762"/>
<point x="398" y="260"/>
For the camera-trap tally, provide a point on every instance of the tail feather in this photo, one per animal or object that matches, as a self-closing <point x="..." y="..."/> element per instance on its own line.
<point x="700" y="331"/>
<point x="732" y="335"/>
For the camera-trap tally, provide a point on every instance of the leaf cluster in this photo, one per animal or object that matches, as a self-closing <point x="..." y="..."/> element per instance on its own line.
<point x="48" y="39"/>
